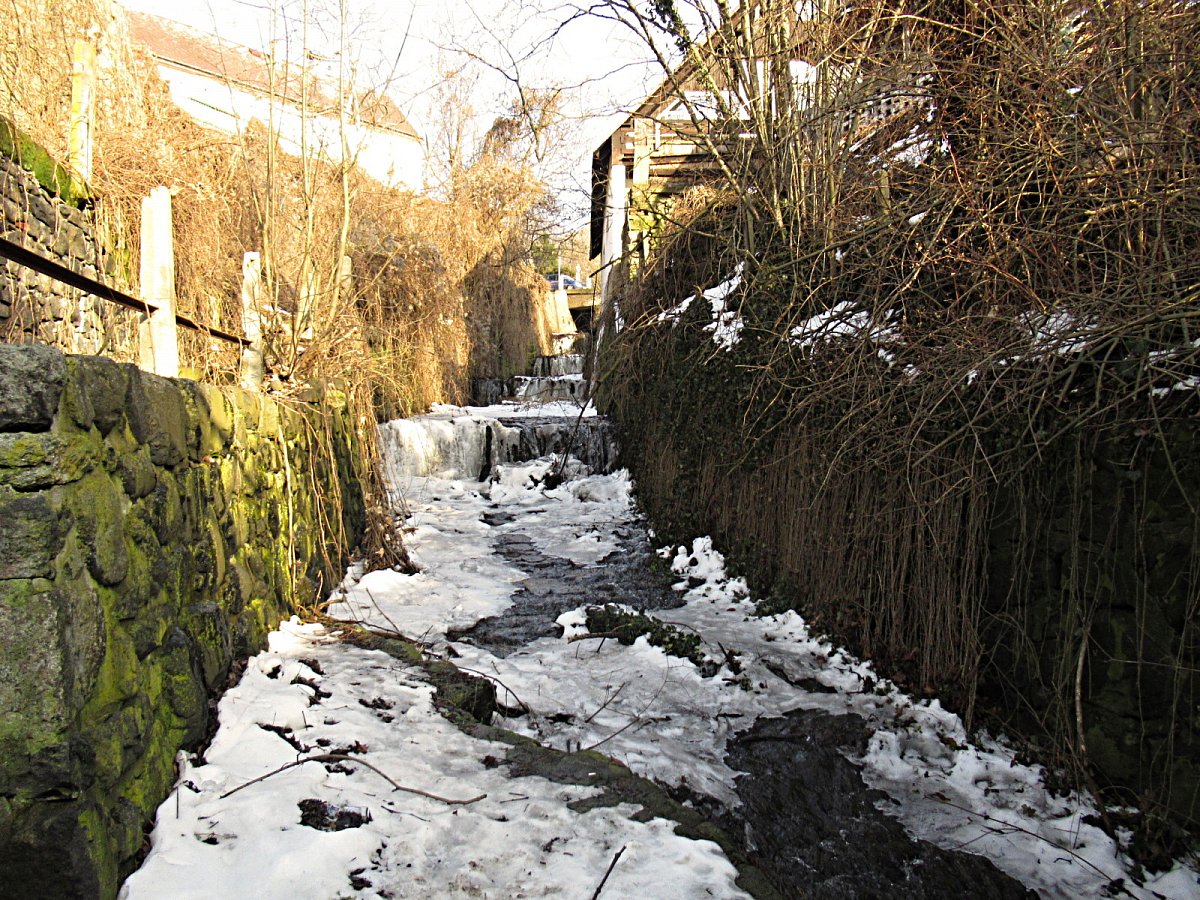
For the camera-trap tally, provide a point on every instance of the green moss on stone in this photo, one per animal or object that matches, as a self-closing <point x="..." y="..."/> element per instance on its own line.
<point x="119" y="677"/>
<point x="97" y="505"/>
<point x="54" y="177"/>
<point x="31" y="462"/>
<point x="33" y="534"/>
<point x="33" y="706"/>
<point x="100" y="849"/>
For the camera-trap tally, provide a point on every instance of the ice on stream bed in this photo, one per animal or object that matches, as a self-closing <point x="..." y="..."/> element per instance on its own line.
<point x="311" y="694"/>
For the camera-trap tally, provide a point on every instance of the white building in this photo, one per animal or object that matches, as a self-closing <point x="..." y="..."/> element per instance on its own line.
<point x="225" y="86"/>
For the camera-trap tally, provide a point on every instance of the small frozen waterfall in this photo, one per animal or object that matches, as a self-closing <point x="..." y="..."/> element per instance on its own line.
<point x="469" y="442"/>
<point x="547" y="390"/>
<point x="551" y="379"/>
<point x="557" y="366"/>
<point x="465" y="444"/>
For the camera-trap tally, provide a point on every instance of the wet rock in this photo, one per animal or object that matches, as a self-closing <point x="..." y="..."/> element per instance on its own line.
<point x="814" y="827"/>
<point x="328" y="817"/>
<point x="555" y="586"/>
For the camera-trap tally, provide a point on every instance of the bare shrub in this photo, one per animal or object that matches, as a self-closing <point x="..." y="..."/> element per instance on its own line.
<point x="971" y="258"/>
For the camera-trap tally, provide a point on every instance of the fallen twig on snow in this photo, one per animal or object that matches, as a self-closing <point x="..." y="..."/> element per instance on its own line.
<point x="593" y="635"/>
<point x="637" y="718"/>
<point x="607" y="701"/>
<point x="998" y="826"/>
<point x="342" y="757"/>
<point x="612" y="865"/>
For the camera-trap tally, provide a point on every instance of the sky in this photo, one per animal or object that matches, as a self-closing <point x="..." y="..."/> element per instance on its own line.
<point x="412" y="45"/>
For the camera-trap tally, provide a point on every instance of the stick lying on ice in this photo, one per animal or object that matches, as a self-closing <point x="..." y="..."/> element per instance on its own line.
<point x="342" y="757"/>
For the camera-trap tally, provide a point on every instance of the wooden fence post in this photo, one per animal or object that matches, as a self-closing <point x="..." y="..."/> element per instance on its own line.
<point x="83" y="90"/>
<point x="159" y="343"/>
<point x="252" y="356"/>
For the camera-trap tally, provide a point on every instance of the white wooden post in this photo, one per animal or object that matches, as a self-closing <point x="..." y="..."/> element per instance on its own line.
<point x="252" y="356"/>
<point x="616" y="210"/>
<point x="159" y="343"/>
<point x="83" y="90"/>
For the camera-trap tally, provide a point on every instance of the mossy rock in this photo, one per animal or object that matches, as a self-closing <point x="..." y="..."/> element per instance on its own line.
<point x="33" y="535"/>
<point x="626" y="627"/>
<point x="398" y="648"/>
<point x="34" y="708"/>
<point x="32" y="157"/>
<point x="99" y="515"/>
<point x="35" y="461"/>
<point x="31" y="383"/>
<point x="462" y="692"/>
<point x="98" y="388"/>
<point x="158" y="417"/>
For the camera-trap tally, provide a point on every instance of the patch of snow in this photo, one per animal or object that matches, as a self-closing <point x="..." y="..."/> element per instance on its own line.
<point x="726" y="326"/>
<point x="1191" y="383"/>
<point x="841" y="321"/>
<point x="652" y="711"/>
<point x="666" y="722"/>
<point x="1058" y="331"/>
<point x="520" y="839"/>
<point x="675" y="313"/>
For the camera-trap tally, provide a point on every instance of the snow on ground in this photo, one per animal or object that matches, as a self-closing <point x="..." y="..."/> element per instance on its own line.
<point x="676" y="725"/>
<point x="461" y="580"/>
<point x="519" y="840"/>
<point x="650" y="710"/>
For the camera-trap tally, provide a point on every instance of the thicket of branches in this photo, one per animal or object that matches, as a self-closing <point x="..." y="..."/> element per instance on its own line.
<point x="971" y="312"/>
<point x="437" y="291"/>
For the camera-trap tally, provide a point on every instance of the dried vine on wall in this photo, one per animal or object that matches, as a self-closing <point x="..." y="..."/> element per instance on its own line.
<point x="963" y="403"/>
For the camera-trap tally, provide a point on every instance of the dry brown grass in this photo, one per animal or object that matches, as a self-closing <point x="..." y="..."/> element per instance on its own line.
<point x="436" y="284"/>
<point x="440" y="290"/>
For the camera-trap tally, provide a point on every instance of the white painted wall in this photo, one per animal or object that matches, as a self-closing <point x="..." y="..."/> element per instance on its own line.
<point x="397" y="160"/>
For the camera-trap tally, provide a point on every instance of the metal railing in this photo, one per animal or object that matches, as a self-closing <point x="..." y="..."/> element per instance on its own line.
<point x="38" y="263"/>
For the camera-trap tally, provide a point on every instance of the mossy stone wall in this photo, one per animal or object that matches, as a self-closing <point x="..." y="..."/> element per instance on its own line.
<point x="44" y="210"/>
<point x="153" y="531"/>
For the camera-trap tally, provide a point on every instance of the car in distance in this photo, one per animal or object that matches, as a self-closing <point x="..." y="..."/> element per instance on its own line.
<point x="563" y="282"/>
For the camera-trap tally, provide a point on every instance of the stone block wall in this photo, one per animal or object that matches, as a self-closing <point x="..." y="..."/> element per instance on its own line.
<point x="41" y="211"/>
<point x="1095" y="558"/>
<point x="153" y="531"/>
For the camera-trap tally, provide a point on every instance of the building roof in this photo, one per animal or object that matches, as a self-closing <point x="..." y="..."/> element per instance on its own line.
<point x="178" y="46"/>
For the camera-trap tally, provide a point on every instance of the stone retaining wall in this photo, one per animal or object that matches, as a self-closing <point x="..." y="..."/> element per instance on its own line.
<point x="153" y="531"/>
<point x="43" y="212"/>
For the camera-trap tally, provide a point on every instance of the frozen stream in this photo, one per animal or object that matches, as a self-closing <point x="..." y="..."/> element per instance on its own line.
<point x="827" y="780"/>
